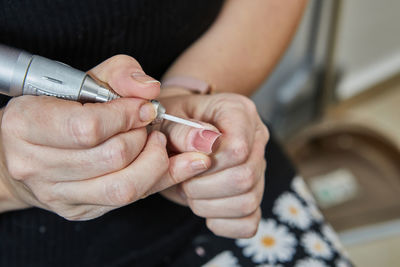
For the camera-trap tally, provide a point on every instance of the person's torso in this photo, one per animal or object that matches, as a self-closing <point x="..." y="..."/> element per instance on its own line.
<point x="83" y="34"/>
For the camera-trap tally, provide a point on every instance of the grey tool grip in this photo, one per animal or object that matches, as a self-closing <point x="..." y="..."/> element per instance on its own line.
<point x="24" y="74"/>
<point x="52" y="78"/>
<point x="14" y="64"/>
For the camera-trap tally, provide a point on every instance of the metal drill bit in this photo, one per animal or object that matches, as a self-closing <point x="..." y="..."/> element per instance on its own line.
<point x="182" y="121"/>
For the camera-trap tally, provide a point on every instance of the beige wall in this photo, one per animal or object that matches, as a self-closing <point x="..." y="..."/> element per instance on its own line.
<point x="368" y="44"/>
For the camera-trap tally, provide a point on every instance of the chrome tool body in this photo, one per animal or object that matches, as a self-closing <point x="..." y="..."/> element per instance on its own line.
<point x="22" y="73"/>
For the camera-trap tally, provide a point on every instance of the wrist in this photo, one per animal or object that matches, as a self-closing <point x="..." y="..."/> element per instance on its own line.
<point x="174" y="91"/>
<point x="180" y="84"/>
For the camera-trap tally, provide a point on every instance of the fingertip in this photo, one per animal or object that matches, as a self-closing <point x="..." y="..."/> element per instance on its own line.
<point x="147" y="112"/>
<point x="200" y="163"/>
<point x="189" y="139"/>
<point x="158" y="138"/>
<point x="133" y="82"/>
<point x="205" y="140"/>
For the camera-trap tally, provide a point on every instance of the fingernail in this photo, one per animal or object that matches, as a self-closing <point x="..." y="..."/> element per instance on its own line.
<point x="198" y="165"/>
<point x="144" y="78"/>
<point x="147" y="112"/>
<point x="161" y="138"/>
<point x="204" y="140"/>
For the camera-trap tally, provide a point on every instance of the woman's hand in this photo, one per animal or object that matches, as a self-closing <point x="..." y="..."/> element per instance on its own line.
<point x="81" y="161"/>
<point x="229" y="194"/>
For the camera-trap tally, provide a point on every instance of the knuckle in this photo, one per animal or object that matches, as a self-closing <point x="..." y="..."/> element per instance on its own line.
<point x="174" y="176"/>
<point x="212" y="225"/>
<point x="251" y="106"/>
<point x="117" y="155"/>
<point x="195" y="208"/>
<point x="12" y="121"/>
<point x="245" y="179"/>
<point x="19" y="170"/>
<point x="239" y="151"/>
<point x="249" y="204"/>
<point x="250" y="228"/>
<point x="266" y="132"/>
<point x="121" y="193"/>
<point x="244" y="102"/>
<point x="121" y="58"/>
<point x="264" y="165"/>
<point x="187" y="190"/>
<point x="46" y="197"/>
<point x="85" y="130"/>
<point x="74" y="214"/>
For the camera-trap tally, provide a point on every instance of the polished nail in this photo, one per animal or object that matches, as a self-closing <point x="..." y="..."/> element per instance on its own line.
<point x="144" y="78"/>
<point x="204" y="140"/>
<point x="198" y="165"/>
<point x="147" y="112"/>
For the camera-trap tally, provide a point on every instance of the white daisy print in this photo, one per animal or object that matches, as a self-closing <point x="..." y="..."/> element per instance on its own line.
<point x="315" y="212"/>
<point x="300" y="187"/>
<point x="272" y="243"/>
<point x="332" y="237"/>
<point x="309" y="262"/>
<point x="224" y="259"/>
<point x="289" y="209"/>
<point x="316" y="246"/>
<point x="269" y="265"/>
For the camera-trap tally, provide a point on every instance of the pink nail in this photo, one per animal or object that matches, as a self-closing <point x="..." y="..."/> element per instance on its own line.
<point x="204" y="140"/>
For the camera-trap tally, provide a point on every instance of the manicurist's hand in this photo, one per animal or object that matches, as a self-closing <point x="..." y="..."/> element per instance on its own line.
<point x="81" y="161"/>
<point x="228" y="195"/>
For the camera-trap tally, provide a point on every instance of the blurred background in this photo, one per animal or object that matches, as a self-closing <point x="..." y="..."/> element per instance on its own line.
<point x="334" y="102"/>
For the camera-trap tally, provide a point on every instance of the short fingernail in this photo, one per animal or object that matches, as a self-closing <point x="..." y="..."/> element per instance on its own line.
<point x="143" y="78"/>
<point x="198" y="165"/>
<point x="147" y="112"/>
<point x="161" y="138"/>
<point x="204" y="140"/>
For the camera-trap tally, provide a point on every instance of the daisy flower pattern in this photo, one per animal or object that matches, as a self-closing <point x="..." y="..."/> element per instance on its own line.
<point x="272" y="243"/>
<point x="315" y="212"/>
<point x="289" y="209"/>
<point x="309" y="262"/>
<point x="300" y="187"/>
<point x="224" y="259"/>
<point x="316" y="246"/>
<point x="332" y="237"/>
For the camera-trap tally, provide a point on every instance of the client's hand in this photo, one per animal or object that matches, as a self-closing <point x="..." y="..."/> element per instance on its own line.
<point x="81" y="161"/>
<point x="229" y="194"/>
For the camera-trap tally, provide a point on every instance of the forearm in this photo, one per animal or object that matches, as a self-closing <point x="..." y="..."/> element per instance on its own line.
<point x="243" y="45"/>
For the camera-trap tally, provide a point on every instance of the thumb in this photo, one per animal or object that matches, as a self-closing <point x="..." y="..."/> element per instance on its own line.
<point x="126" y="77"/>
<point x="184" y="138"/>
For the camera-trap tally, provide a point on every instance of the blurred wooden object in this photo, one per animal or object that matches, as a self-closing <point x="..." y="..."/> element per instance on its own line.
<point x="372" y="158"/>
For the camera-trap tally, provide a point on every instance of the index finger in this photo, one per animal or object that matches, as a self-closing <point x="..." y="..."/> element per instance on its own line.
<point x="67" y="124"/>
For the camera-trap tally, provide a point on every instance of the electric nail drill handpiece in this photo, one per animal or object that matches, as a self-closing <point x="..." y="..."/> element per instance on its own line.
<point x="22" y="73"/>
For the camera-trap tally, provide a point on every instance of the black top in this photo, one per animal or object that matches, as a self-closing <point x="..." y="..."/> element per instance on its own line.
<point x="83" y="34"/>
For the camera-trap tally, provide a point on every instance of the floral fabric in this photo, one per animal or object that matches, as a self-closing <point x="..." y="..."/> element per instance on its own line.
<point x="294" y="233"/>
